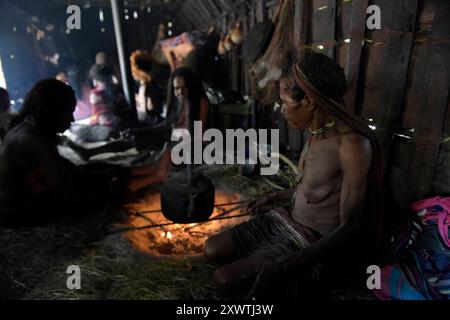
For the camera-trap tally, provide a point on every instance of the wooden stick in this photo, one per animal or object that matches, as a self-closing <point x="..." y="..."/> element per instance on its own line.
<point x="243" y="205"/>
<point x="168" y="224"/>
<point x="140" y="228"/>
<point x="217" y="217"/>
<point x="143" y="216"/>
<point x="217" y="205"/>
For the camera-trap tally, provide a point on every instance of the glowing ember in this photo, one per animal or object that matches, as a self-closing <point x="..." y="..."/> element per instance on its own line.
<point x="177" y="239"/>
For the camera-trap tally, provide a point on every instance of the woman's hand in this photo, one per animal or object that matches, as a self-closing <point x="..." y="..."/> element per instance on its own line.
<point x="287" y="276"/>
<point x="272" y="277"/>
<point x="256" y="206"/>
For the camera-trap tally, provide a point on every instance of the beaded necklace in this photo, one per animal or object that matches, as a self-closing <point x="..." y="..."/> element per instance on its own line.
<point x="314" y="133"/>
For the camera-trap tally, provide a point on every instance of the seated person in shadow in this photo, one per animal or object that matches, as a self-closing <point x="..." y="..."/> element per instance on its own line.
<point x="37" y="185"/>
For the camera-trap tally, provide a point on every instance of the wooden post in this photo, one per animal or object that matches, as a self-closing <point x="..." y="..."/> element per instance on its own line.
<point x="124" y="61"/>
<point x="260" y="10"/>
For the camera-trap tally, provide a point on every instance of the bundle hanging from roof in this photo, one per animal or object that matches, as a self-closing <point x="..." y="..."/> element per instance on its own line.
<point x="266" y="72"/>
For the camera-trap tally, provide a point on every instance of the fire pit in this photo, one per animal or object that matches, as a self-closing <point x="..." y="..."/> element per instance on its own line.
<point x="179" y="239"/>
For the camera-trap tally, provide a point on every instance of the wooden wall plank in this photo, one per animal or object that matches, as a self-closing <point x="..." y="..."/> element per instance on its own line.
<point x="386" y="64"/>
<point x="395" y="77"/>
<point x="441" y="181"/>
<point x="357" y="33"/>
<point x="252" y="14"/>
<point x="301" y="23"/>
<point x="293" y="138"/>
<point x="261" y="11"/>
<point x="323" y="25"/>
<point x="343" y="31"/>
<point x="426" y="106"/>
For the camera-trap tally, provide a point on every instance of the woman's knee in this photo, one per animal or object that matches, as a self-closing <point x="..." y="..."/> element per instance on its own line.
<point x="219" y="248"/>
<point x="212" y="248"/>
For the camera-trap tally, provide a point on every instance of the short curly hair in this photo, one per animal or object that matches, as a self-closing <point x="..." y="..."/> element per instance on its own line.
<point x="323" y="73"/>
<point x="142" y="66"/>
<point x="101" y="72"/>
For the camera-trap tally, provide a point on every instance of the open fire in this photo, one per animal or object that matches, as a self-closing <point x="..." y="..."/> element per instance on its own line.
<point x="179" y="239"/>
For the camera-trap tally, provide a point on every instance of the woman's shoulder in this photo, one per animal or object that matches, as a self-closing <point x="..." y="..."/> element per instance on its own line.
<point x="24" y="139"/>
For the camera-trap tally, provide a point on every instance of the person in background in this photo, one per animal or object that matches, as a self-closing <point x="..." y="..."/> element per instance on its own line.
<point x="103" y="97"/>
<point x="187" y="100"/>
<point x="102" y="58"/>
<point x="150" y="98"/>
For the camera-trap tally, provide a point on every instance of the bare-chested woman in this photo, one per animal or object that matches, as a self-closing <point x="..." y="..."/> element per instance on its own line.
<point x="339" y="170"/>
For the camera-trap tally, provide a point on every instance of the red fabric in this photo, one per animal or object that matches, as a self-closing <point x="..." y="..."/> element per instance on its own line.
<point x="100" y="107"/>
<point x="83" y="108"/>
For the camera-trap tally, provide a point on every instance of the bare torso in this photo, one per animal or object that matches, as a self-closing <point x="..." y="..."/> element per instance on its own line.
<point x="29" y="164"/>
<point x="318" y="195"/>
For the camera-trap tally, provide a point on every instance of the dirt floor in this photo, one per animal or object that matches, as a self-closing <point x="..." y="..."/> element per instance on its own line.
<point x="34" y="262"/>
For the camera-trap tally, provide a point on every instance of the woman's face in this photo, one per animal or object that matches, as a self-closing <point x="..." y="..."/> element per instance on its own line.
<point x="179" y="88"/>
<point x="298" y="114"/>
<point x="66" y="117"/>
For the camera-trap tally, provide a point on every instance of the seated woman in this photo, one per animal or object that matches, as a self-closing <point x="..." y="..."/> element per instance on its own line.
<point x="332" y="231"/>
<point x="150" y="99"/>
<point x="187" y="100"/>
<point x="107" y="103"/>
<point x="37" y="185"/>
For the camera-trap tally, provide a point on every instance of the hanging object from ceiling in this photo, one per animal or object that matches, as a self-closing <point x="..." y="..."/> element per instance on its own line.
<point x="266" y="72"/>
<point x="236" y="34"/>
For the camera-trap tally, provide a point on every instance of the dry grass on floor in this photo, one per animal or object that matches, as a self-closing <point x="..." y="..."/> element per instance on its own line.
<point x="34" y="264"/>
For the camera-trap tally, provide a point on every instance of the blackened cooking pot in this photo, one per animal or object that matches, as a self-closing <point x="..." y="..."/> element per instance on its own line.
<point x="186" y="199"/>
